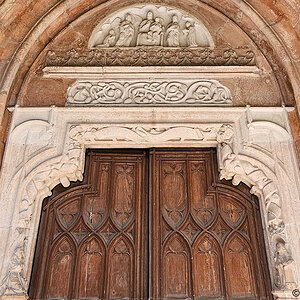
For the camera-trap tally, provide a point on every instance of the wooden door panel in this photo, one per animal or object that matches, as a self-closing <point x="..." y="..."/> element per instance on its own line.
<point x="123" y="194"/>
<point x="96" y="233"/>
<point x="174" y="200"/>
<point x="91" y="266"/>
<point x="176" y="266"/>
<point x="95" y="209"/>
<point x="205" y="229"/>
<point x="61" y="268"/>
<point x="207" y="273"/>
<point x="120" y="270"/>
<point x="238" y="264"/>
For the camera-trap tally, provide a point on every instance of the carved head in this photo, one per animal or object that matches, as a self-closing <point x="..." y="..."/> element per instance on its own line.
<point x="150" y="15"/>
<point x="175" y="19"/>
<point x="188" y="24"/>
<point x="128" y="17"/>
<point x="280" y="248"/>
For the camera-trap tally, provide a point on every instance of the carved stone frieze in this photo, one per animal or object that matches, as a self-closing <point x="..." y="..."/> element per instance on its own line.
<point x="150" y="57"/>
<point x="81" y="134"/>
<point x="150" y="25"/>
<point x="151" y="93"/>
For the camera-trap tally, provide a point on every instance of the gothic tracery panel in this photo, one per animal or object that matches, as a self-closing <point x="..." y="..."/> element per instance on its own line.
<point x="91" y="265"/>
<point x="207" y="273"/>
<point x="60" y="269"/>
<point x="176" y="263"/>
<point x="238" y="264"/>
<point x="120" y="270"/>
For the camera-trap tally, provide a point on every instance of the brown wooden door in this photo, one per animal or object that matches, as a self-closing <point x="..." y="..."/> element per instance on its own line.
<point x="155" y="224"/>
<point x="206" y="240"/>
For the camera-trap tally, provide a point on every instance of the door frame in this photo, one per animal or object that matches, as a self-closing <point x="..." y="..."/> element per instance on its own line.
<point x="254" y="146"/>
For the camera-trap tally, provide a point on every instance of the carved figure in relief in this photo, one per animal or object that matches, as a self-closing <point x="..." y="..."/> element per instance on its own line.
<point x="126" y="32"/>
<point x="144" y="29"/>
<point x="110" y="39"/>
<point x="173" y="32"/>
<point x="156" y="32"/>
<point x="190" y="32"/>
<point x="150" y="31"/>
<point x="282" y="260"/>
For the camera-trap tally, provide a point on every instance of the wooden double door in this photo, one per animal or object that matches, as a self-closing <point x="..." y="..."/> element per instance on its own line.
<point x="151" y="224"/>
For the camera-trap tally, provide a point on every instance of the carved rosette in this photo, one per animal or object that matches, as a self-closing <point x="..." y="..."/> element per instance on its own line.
<point x="197" y="93"/>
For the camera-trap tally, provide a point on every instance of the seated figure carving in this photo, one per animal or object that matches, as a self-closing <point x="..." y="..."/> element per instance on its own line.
<point x="151" y="31"/>
<point x="110" y="39"/>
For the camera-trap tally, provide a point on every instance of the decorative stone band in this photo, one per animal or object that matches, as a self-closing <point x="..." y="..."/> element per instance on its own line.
<point x="151" y="56"/>
<point x="55" y="154"/>
<point x="196" y="93"/>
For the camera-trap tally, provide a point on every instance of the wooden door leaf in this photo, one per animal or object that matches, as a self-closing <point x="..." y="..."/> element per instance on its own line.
<point x="158" y="227"/>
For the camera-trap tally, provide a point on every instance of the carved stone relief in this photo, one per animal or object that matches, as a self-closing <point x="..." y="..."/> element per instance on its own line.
<point x="151" y="93"/>
<point x="151" y="25"/>
<point x="75" y="129"/>
<point x="150" y="57"/>
<point x="283" y="270"/>
<point x="237" y="170"/>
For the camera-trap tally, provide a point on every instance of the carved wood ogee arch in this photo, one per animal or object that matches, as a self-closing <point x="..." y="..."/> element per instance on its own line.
<point x="65" y="163"/>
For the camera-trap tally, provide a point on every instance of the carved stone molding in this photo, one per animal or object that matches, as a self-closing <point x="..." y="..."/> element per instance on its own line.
<point x="150" y="25"/>
<point x="49" y="148"/>
<point x="237" y="170"/>
<point x="148" y="93"/>
<point x="150" y="57"/>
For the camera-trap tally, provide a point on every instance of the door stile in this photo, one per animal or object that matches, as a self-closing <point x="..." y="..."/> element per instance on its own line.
<point x="188" y="192"/>
<point x="154" y="235"/>
<point x="143" y="260"/>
